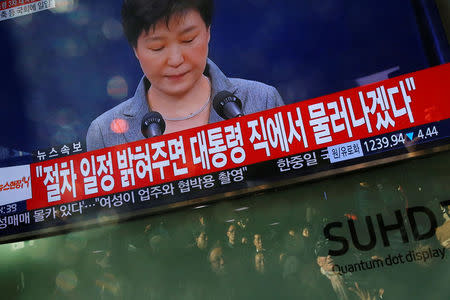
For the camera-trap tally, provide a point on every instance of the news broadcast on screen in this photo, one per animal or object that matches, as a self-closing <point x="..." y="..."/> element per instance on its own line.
<point x="117" y="111"/>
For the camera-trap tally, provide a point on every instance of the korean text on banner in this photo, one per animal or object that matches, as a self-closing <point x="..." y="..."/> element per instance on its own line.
<point x="391" y="105"/>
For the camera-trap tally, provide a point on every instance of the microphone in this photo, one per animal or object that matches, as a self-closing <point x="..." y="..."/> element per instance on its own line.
<point x="152" y="124"/>
<point x="227" y="105"/>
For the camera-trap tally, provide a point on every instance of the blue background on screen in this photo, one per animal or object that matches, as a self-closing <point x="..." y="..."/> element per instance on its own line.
<point x="56" y="66"/>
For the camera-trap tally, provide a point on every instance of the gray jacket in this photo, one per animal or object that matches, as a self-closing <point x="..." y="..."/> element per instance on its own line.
<point x="255" y="96"/>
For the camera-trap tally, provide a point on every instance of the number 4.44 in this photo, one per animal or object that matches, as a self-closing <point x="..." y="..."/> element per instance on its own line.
<point x="429" y="132"/>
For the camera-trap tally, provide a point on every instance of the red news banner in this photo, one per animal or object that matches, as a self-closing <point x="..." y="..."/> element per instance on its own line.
<point x="395" y="104"/>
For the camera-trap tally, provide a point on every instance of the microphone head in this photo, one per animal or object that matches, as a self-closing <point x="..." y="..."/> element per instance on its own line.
<point x="227" y="105"/>
<point x="152" y="124"/>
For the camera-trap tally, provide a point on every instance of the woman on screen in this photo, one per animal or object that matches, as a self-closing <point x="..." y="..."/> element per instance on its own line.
<point x="170" y="39"/>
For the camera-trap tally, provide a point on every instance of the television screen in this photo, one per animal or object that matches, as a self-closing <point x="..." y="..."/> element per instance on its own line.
<point x="248" y="208"/>
<point x="65" y="62"/>
<point x="80" y="76"/>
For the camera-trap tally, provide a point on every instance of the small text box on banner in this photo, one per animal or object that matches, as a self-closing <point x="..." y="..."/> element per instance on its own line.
<point x="15" y="184"/>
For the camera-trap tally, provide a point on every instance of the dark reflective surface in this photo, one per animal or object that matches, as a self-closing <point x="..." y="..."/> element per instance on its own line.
<point x="265" y="246"/>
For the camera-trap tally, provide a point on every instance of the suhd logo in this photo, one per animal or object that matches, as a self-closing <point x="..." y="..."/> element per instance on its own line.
<point x="407" y="227"/>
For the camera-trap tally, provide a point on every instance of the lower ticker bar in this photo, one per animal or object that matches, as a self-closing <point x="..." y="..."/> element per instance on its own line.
<point x="287" y="170"/>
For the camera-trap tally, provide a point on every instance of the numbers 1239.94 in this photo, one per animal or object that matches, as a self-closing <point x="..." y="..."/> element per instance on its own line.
<point x="395" y="139"/>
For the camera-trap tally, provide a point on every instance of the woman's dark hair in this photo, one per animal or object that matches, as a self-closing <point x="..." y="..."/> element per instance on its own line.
<point x="140" y="15"/>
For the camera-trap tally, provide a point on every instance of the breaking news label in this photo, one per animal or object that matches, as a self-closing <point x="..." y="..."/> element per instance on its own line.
<point x="388" y="119"/>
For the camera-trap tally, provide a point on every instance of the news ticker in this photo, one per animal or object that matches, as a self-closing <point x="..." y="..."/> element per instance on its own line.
<point x="354" y="128"/>
<point x="13" y="9"/>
